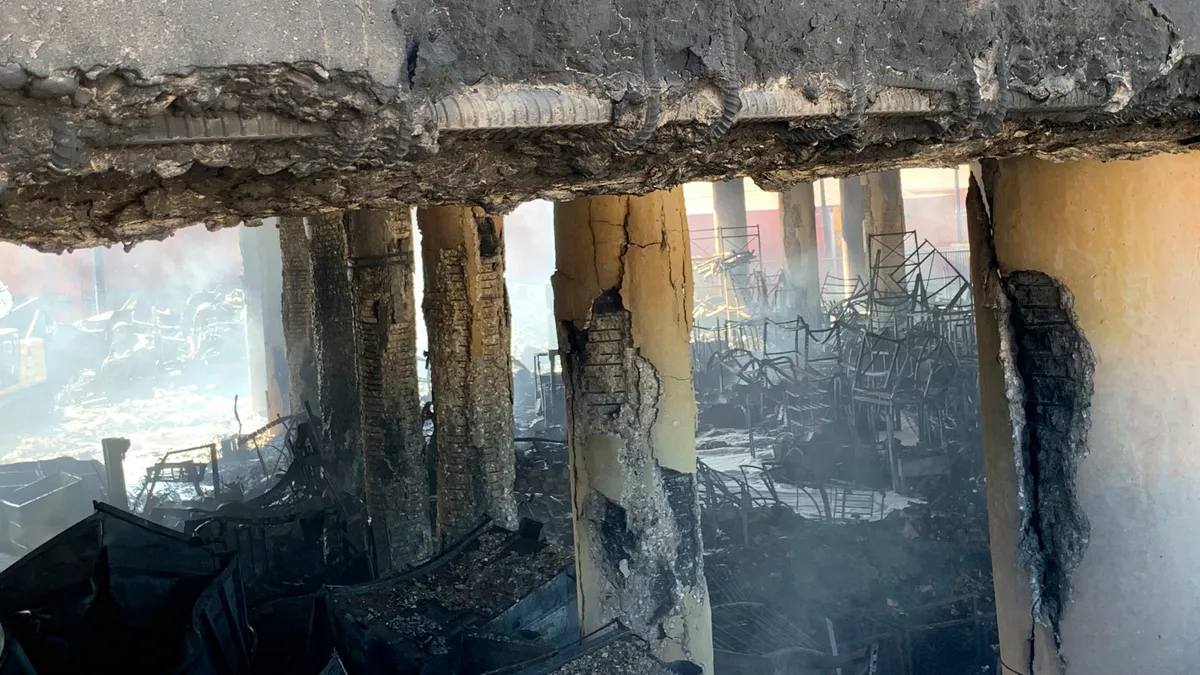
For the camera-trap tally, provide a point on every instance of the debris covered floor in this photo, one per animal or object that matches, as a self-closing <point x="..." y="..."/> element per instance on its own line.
<point x="838" y="485"/>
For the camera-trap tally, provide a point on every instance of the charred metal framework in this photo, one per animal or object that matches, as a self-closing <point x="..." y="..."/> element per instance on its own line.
<point x="899" y="351"/>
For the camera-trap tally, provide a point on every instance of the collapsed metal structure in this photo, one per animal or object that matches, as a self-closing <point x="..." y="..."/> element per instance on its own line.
<point x="895" y="362"/>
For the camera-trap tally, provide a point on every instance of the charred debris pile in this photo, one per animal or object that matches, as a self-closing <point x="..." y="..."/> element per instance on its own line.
<point x="244" y="557"/>
<point x="120" y="353"/>
<point x="841" y="471"/>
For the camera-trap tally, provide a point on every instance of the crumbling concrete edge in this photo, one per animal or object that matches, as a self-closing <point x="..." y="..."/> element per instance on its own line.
<point x="1049" y="424"/>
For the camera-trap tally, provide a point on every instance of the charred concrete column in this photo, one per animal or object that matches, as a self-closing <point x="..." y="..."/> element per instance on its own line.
<point x="883" y="213"/>
<point x="1085" y="279"/>
<point x="857" y="264"/>
<point x="297" y="314"/>
<point x="729" y="211"/>
<point x="262" y="282"/>
<point x="395" y="479"/>
<point x="801" y="263"/>
<point x="467" y="317"/>
<point x="623" y="298"/>
<point x="333" y="344"/>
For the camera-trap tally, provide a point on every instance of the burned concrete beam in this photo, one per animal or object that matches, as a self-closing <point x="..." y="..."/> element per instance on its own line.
<point x="395" y="478"/>
<point x="623" y="298"/>
<point x="801" y="255"/>
<point x="121" y="129"/>
<point x="333" y="345"/>
<point x="467" y="318"/>
<point x="1087" y="382"/>
<point x="297" y="314"/>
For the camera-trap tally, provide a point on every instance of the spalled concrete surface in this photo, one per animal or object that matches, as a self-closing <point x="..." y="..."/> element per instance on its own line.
<point x="623" y="298"/>
<point x="124" y="119"/>
<point x="1134" y="595"/>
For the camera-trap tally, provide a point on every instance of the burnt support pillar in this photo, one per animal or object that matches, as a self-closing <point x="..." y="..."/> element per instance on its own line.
<point x="1084" y="279"/>
<point x="801" y="255"/>
<point x="623" y="298"/>
<point x="883" y="213"/>
<point x="467" y="318"/>
<point x="333" y="347"/>
<point x="262" y="282"/>
<point x="297" y="314"/>
<point x="857" y="264"/>
<point x="395" y="478"/>
<point x="729" y="211"/>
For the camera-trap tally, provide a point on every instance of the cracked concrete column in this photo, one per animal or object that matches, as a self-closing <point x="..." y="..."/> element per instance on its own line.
<point x="801" y="255"/>
<point x="467" y="319"/>
<point x="1085" y="284"/>
<point x="297" y="314"/>
<point x="333" y="345"/>
<point x="262" y="282"/>
<point x="623" y="298"/>
<point x="883" y="213"/>
<point x="395" y="477"/>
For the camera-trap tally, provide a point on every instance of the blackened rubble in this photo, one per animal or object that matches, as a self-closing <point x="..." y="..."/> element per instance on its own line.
<point x="627" y="656"/>
<point x="419" y="617"/>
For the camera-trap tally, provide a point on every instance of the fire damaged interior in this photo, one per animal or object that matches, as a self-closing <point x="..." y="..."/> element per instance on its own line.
<point x="725" y="337"/>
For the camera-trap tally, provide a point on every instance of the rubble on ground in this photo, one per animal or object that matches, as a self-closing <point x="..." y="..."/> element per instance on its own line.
<point x="419" y="617"/>
<point x="543" y="487"/>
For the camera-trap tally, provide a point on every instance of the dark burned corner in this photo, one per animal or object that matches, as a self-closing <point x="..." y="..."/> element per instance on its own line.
<point x="1048" y="366"/>
<point x="1056" y="365"/>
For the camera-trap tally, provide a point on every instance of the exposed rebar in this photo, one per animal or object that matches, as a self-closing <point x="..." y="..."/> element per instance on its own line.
<point x="653" y="105"/>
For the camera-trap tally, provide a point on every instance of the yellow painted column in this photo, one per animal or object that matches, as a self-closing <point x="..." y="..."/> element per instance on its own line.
<point x="623" y="298"/>
<point x="1090" y="383"/>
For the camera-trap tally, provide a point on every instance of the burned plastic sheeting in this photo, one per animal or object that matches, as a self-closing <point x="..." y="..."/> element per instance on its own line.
<point x="116" y="593"/>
